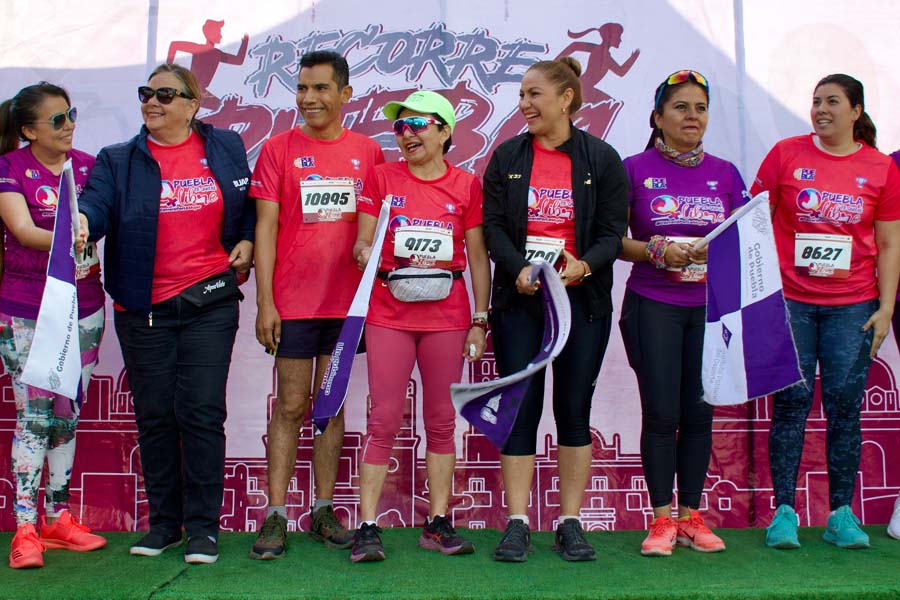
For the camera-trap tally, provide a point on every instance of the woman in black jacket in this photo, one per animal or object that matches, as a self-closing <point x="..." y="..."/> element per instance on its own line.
<point x="563" y="193"/>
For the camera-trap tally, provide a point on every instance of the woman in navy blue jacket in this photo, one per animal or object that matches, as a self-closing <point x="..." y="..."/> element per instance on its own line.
<point x="172" y="203"/>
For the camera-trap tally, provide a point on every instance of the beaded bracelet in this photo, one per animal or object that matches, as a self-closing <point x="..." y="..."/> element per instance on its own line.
<point x="656" y="251"/>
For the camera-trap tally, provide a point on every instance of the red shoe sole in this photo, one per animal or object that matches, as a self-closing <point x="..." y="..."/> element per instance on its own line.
<point x="64" y="545"/>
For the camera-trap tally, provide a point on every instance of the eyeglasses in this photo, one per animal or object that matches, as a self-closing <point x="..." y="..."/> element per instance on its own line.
<point x="164" y="95"/>
<point x="58" y="120"/>
<point x="682" y="76"/>
<point x="414" y="124"/>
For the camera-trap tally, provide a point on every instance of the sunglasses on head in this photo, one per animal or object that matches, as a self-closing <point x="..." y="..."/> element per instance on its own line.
<point x="164" y="95"/>
<point x="58" y="120"/>
<point x="414" y="124"/>
<point x="682" y="76"/>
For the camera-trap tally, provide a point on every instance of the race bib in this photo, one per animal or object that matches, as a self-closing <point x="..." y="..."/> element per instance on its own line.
<point x="689" y="273"/>
<point x="543" y="248"/>
<point x="88" y="263"/>
<point x="423" y="247"/>
<point x="823" y="255"/>
<point x="328" y="200"/>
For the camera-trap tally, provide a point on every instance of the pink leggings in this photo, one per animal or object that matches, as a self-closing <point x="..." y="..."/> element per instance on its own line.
<point x="391" y="356"/>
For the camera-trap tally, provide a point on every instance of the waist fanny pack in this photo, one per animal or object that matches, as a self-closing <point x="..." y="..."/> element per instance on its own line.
<point x="212" y="289"/>
<point x="411" y="284"/>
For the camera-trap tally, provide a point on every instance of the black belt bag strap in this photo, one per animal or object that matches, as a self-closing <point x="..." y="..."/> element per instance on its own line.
<point x="213" y="289"/>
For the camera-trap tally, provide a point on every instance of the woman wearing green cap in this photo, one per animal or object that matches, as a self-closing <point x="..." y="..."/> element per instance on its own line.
<point x="554" y="186"/>
<point x="420" y="311"/>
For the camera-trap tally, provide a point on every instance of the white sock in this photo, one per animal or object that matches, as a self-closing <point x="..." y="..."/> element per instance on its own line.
<point x="564" y="518"/>
<point x="523" y="518"/>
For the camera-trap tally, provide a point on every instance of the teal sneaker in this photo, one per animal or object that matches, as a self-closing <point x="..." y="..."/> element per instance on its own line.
<point x="782" y="531"/>
<point x="843" y="530"/>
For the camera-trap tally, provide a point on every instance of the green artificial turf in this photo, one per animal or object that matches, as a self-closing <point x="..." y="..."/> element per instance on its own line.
<point x="746" y="570"/>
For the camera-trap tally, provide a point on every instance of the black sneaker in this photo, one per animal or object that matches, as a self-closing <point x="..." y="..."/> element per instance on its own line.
<point x="570" y="542"/>
<point x="367" y="544"/>
<point x="515" y="545"/>
<point x="439" y="535"/>
<point x="328" y="529"/>
<point x="155" y="543"/>
<point x="272" y="539"/>
<point x="201" y="550"/>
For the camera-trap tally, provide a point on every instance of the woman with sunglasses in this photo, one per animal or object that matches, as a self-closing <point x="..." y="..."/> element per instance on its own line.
<point x="678" y="194"/>
<point x="552" y="189"/>
<point x="42" y="116"/>
<point x="172" y="203"/>
<point x="435" y="226"/>
<point x="835" y="204"/>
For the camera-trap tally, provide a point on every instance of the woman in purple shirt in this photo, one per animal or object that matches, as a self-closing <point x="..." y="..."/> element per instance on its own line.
<point x="42" y="116"/>
<point x="678" y="194"/>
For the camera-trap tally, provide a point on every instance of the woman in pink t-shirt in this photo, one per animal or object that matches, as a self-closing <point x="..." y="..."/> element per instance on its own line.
<point x="42" y="116"/>
<point x="435" y="227"/>
<point x="836" y="217"/>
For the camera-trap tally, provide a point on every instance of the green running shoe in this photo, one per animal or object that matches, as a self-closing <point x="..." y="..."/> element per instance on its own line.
<point x="782" y="531"/>
<point x="843" y="530"/>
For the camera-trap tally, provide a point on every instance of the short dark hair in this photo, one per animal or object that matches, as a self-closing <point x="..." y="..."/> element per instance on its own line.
<point x="21" y="110"/>
<point x="329" y="57"/>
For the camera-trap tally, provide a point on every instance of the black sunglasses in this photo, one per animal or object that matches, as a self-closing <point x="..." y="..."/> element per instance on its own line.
<point x="164" y="95"/>
<point x="58" y="120"/>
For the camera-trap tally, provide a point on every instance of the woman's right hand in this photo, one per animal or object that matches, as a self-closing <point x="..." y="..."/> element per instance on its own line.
<point x="362" y="259"/>
<point x="523" y="283"/>
<point x="81" y="240"/>
<point x="268" y="327"/>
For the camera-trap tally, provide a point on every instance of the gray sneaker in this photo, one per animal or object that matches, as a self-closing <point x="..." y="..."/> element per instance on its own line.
<point x="328" y="529"/>
<point x="272" y="539"/>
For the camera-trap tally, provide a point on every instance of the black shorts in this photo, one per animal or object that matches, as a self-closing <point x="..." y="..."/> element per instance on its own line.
<point x="308" y="338"/>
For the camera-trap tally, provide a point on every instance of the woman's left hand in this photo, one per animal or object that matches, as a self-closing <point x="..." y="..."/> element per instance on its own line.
<point x="881" y="322"/>
<point x="573" y="271"/>
<point x="475" y="340"/>
<point x="241" y="256"/>
<point x="698" y="257"/>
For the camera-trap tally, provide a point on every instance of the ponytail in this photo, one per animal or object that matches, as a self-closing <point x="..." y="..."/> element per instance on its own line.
<point x="9" y="137"/>
<point x="864" y="129"/>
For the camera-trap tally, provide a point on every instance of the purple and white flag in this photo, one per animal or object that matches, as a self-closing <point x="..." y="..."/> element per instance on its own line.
<point x="492" y="406"/>
<point x="748" y="348"/>
<point x="54" y="361"/>
<point x="333" y="390"/>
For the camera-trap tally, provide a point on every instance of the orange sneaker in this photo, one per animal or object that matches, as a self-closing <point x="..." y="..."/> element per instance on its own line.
<point x="26" y="550"/>
<point x="68" y="533"/>
<point x="661" y="539"/>
<point x="693" y="532"/>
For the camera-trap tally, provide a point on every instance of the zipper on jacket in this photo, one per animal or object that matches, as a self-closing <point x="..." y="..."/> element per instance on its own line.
<point x="150" y="319"/>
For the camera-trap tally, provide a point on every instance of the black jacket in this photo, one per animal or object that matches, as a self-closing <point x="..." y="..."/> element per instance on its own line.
<point x="121" y="202"/>
<point x="600" y="196"/>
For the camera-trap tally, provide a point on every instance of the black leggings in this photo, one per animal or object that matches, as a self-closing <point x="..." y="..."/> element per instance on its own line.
<point x="664" y="344"/>
<point x="517" y="333"/>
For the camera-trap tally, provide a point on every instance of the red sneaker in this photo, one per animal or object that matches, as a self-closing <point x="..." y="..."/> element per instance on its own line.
<point x="693" y="532"/>
<point x="26" y="550"/>
<point x="661" y="539"/>
<point x="68" y="533"/>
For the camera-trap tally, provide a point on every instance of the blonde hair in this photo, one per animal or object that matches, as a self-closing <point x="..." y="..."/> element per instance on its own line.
<point x="563" y="73"/>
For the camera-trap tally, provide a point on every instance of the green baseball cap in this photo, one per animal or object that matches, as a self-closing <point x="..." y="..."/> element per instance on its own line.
<point x="423" y="101"/>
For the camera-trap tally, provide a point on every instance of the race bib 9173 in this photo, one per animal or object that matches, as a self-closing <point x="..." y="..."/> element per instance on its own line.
<point x="328" y="200"/>
<point x="823" y="255"/>
<point x="423" y="247"/>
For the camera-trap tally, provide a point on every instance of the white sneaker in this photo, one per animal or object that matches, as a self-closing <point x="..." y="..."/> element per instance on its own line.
<point x="894" y="526"/>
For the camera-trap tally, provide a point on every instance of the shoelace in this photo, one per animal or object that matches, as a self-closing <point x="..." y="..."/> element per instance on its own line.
<point x="327" y="519"/>
<point x="571" y="534"/>
<point x="659" y="526"/>
<point x="847" y="519"/>
<point x="32" y="539"/>
<point x="368" y="533"/>
<point x="272" y="526"/>
<point x="73" y="520"/>
<point x="516" y="534"/>
<point x="699" y="524"/>
<point x="443" y="527"/>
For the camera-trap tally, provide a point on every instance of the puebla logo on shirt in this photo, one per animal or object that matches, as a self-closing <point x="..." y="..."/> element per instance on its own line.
<point x="180" y="195"/>
<point x="829" y="207"/>
<point x="305" y="162"/>
<point x="32" y="174"/>
<point x="655" y="183"/>
<point x="551" y="205"/>
<point x="687" y="210"/>
<point x="46" y="197"/>
<point x="803" y="174"/>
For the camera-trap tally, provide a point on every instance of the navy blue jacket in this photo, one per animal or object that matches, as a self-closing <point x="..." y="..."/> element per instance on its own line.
<point x="121" y="202"/>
